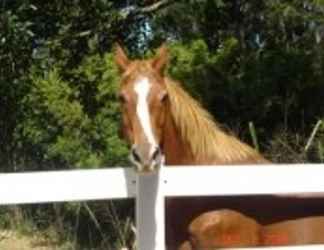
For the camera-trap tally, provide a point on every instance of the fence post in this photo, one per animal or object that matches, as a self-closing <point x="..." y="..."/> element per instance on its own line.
<point x="150" y="211"/>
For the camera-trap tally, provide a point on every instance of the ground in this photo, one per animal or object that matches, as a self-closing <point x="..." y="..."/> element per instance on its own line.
<point x="12" y="240"/>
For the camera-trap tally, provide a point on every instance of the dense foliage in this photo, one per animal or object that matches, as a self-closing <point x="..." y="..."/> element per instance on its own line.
<point x="246" y="61"/>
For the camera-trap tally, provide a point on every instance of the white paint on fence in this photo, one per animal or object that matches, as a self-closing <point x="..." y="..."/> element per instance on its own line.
<point x="244" y="180"/>
<point x="150" y="212"/>
<point x="69" y="185"/>
<point x="150" y="190"/>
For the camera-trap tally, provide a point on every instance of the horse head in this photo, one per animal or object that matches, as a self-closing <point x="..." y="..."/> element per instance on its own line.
<point x="144" y="99"/>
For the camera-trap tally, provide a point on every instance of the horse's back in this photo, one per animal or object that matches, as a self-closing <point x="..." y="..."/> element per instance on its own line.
<point x="308" y="230"/>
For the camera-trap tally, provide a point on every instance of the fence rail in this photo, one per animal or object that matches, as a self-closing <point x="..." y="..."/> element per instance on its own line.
<point x="69" y="185"/>
<point x="150" y="190"/>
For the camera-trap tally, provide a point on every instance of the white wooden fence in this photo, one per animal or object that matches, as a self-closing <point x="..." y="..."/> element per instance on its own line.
<point x="151" y="190"/>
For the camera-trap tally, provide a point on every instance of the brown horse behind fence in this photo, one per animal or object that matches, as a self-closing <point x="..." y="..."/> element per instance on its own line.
<point x="164" y="124"/>
<point x="161" y="121"/>
<point x="228" y="228"/>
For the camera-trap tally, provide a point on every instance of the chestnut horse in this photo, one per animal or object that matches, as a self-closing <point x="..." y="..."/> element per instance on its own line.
<point x="161" y="121"/>
<point x="228" y="228"/>
<point x="164" y="124"/>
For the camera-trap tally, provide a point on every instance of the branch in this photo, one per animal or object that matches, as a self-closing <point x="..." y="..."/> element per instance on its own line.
<point x="155" y="6"/>
<point x="311" y="138"/>
<point x="133" y="10"/>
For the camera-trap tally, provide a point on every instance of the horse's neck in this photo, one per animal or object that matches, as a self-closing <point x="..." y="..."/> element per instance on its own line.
<point x="175" y="149"/>
<point x="178" y="152"/>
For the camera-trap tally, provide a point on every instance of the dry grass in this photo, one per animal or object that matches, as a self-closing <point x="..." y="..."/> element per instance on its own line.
<point x="289" y="147"/>
<point x="12" y="240"/>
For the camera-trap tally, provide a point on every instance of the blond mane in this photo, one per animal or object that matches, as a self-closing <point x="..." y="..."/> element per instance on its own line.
<point x="205" y="137"/>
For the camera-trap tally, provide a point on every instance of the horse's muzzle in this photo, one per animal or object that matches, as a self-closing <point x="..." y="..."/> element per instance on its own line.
<point x="146" y="160"/>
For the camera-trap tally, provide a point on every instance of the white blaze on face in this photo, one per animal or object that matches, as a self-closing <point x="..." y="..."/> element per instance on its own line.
<point x="142" y="89"/>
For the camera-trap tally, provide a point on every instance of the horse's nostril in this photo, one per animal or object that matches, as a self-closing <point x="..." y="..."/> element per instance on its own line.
<point x="156" y="153"/>
<point x="136" y="155"/>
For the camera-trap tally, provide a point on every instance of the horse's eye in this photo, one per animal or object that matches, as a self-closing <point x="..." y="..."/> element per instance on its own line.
<point x="164" y="97"/>
<point x="122" y="98"/>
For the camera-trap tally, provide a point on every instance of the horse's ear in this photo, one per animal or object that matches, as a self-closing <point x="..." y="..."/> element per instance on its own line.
<point x="161" y="59"/>
<point x="121" y="58"/>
